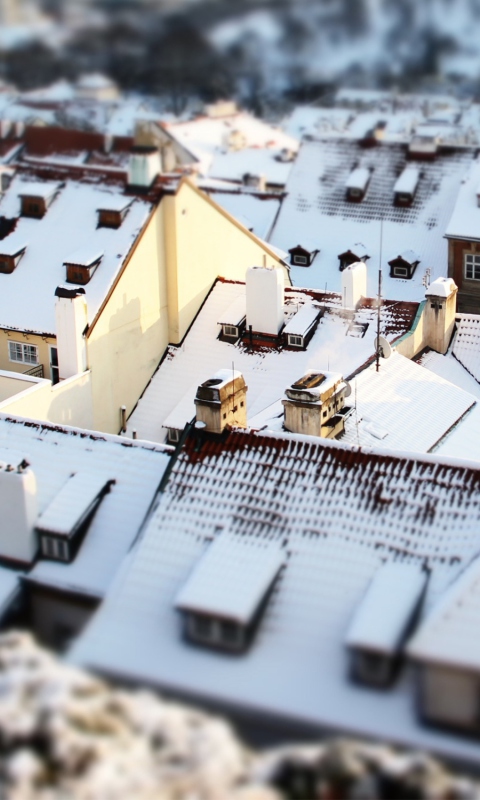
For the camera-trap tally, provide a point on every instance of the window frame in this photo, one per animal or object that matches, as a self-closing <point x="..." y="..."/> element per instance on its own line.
<point x="471" y="260"/>
<point x="24" y="348"/>
<point x="400" y="272"/>
<point x="228" y="331"/>
<point x="292" y="336"/>
<point x="301" y="261"/>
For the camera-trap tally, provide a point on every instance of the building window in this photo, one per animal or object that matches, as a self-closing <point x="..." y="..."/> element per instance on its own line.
<point x="472" y="267"/>
<point x="173" y="435"/>
<point x="55" y="548"/>
<point x="301" y="260"/>
<point x="400" y="272"/>
<point x="23" y="353"/>
<point x="230" y="330"/>
<point x="295" y="341"/>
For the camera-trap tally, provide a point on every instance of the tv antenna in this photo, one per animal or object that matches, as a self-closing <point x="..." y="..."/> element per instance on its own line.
<point x="379" y="299"/>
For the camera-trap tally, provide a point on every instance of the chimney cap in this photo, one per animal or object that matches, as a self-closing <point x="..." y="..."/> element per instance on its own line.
<point x="68" y="292"/>
<point x="441" y="287"/>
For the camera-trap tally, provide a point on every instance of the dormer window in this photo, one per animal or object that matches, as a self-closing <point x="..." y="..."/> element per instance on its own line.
<point x="11" y="251"/>
<point x="357" y="184"/>
<point x="63" y="523"/>
<point x="300" y="328"/>
<point x="406" y="187"/>
<point x="112" y="214"/>
<point x="225" y="595"/>
<point x="404" y="265"/>
<point x="303" y="255"/>
<point x="81" y="265"/>
<point x="382" y="622"/>
<point x="353" y="256"/>
<point x="35" y="198"/>
<point x="233" y="320"/>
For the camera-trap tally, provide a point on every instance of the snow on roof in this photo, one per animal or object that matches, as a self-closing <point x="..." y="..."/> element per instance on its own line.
<point x="251" y="160"/>
<point x="54" y="454"/>
<point x="69" y="224"/>
<point x="71" y="506"/>
<point x="260" y="212"/>
<point x="267" y="373"/>
<point x="95" y="80"/>
<point x="84" y="256"/>
<point x="315" y="201"/>
<point x="232" y="578"/>
<point x="410" y="256"/>
<point x="449" y="634"/>
<point x="441" y="287"/>
<point x="394" y="407"/>
<point x="307" y="243"/>
<point x="302" y="321"/>
<point x="235" y="313"/>
<point x="466" y="345"/>
<point x="43" y="189"/>
<point x="358" y="179"/>
<point x="465" y="215"/>
<point x="339" y="516"/>
<point x="408" y="181"/>
<point x="9" y="586"/>
<point x="12" y="245"/>
<point x="113" y="202"/>
<point x="385" y="611"/>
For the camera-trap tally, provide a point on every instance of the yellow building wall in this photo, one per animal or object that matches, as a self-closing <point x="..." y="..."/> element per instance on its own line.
<point x="43" y="344"/>
<point x="204" y="242"/>
<point x="126" y="342"/>
<point x="67" y="403"/>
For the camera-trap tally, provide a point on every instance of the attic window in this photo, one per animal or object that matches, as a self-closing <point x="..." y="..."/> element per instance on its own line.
<point x="81" y="265"/>
<point x="35" y="198"/>
<point x="404" y="265"/>
<point x="11" y="251"/>
<point x="224" y="596"/>
<point x="295" y="341"/>
<point x="61" y="525"/>
<point x="112" y="214"/>
<point x="230" y="330"/>
<point x="383" y="621"/>
<point x="302" y="256"/>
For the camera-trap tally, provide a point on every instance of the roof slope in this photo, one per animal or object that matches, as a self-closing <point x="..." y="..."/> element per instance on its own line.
<point x="316" y="205"/>
<point x="55" y="453"/>
<point x="403" y="406"/>
<point x="27" y="295"/>
<point x="466" y="346"/>
<point x="338" y="514"/>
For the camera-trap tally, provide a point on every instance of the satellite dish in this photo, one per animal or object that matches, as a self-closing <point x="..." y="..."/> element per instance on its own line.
<point x="348" y="389"/>
<point x="383" y="347"/>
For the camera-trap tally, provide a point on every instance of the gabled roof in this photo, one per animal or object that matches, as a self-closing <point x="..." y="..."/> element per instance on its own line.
<point x="338" y="514"/>
<point x="465" y="215"/>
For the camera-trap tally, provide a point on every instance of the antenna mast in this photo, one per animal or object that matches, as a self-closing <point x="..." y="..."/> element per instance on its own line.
<point x="379" y="298"/>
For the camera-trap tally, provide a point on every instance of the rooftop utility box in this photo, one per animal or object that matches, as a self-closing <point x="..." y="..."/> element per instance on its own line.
<point x="354" y="284"/>
<point x="18" y="501"/>
<point x="222" y="401"/>
<point x="264" y="291"/>
<point x="313" y="404"/>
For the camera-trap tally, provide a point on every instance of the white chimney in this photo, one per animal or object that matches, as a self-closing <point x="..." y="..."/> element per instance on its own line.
<point x="18" y="501"/>
<point x="264" y="293"/>
<point x="145" y="165"/>
<point x="71" y="320"/>
<point x="354" y="284"/>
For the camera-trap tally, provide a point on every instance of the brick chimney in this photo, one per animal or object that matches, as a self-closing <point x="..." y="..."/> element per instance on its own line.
<point x="313" y="403"/>
<point x="440" y="309"/>
<point x="222" y="401"/>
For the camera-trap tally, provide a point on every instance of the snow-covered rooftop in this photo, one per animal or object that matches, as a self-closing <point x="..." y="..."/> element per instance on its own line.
<point x="466" y="346"/>
<point x="464" y="221"/>
<point x="403" y="406"/>
<point x="69" y="224"/>
<point x="260" y="213"/>
<point x="231" y="578"/>
<point x="54" y="454"/>
<point x="267" y="372"/>
<point x="73" y="503"/>
<point x="387" y="607"/>
<point x="338" y="514"/>
<point x="315" y="206"/>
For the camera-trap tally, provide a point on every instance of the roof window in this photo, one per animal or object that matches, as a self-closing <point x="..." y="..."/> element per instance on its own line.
<point x="223" y="598"/>
<point x="63" y="522"/>
<point x="404" y="265"/>
<point x="406" y="186"/>
<point x="303" y="256"/>
<point x="36" y="197"/>
<point x="12" y="249"/>
<point x="383" y="621"/>
<point x="357" y="184"/>
<point x="81" y="265"/>
<point x="112" y="213"/>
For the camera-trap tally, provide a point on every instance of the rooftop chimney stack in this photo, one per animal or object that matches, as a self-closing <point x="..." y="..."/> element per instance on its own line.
<point x="440" y="310"/>
<point x="144" y="167"/>
<point x="222" y="401"/>
<point x="18" y="501"/>
<point x="313" y="404"/>
<point x="71" y="320"/>
<point x="264" y="294"/>
<point x="354" y="284"/>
